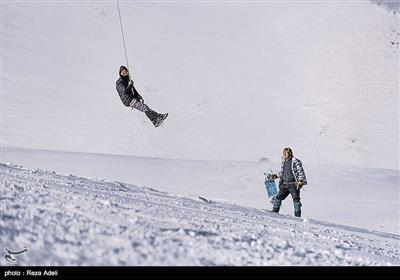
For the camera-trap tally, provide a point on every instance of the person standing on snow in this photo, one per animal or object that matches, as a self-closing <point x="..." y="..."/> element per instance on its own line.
<point x="131" y="98"/>
<point x="291" y="179"/>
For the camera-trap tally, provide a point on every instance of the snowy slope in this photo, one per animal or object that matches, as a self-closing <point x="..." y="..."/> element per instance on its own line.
<point x="69" y="220"/>
<point x="361" y="197"/>
<point x="240" y="79"/>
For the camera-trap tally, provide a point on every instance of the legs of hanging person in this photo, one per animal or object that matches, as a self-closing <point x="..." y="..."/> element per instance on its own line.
<point x="141" y="106"/>
<point x="284" y="191"/>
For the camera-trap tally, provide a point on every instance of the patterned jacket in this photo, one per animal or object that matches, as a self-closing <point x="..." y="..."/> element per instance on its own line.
<point x="297" y="169"/>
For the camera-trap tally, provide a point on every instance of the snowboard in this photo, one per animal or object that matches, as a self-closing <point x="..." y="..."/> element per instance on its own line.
<point x="161" y="119"/>
<point x="269" y="183"/>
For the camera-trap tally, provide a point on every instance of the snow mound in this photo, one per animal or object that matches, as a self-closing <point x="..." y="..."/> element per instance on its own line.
<point x="70" y="220"/>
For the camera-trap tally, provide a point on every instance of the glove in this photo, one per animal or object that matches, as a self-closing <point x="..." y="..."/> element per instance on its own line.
<point x="139" y="98"/>
<point x="130" y="85"/>
<point x="299" y="185"/>
<point x="272" y="177"/>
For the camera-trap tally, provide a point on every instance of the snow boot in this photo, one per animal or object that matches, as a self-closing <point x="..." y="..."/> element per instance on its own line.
<point x="276" y="206"/>
<point x="155" y="117"/>
<point x="297" y="208"/>
<point x="161" y="118"/>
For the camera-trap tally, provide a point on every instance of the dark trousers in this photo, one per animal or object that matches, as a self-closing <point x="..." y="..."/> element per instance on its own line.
<point x="285" y="190"/>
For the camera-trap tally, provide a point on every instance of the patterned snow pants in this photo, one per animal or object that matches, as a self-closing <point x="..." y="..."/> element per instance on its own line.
<point x="139" y="105"/>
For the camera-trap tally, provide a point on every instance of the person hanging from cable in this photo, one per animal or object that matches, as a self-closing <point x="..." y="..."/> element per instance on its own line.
<point x="131" y="98"/>
<point x="127" y="92"/>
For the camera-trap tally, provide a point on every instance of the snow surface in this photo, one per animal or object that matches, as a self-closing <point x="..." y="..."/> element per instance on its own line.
<point x="367" y="198"/>
<point x="69" y="220"/>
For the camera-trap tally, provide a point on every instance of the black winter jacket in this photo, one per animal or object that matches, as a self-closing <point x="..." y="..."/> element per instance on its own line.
<point x="127" y="94"/>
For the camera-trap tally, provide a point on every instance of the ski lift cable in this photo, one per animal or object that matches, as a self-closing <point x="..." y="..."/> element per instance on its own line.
<point x="123" y="37"/>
